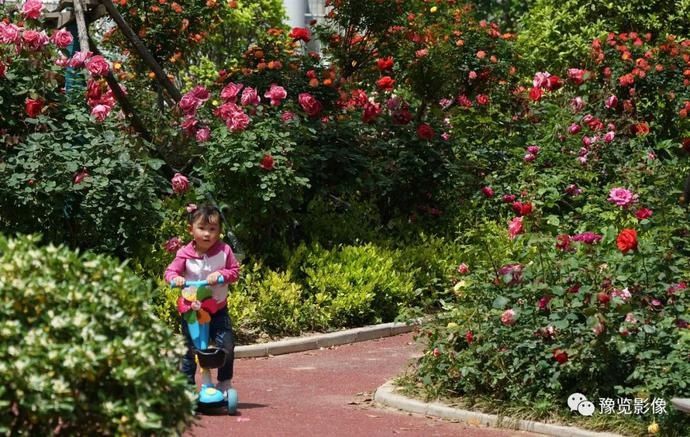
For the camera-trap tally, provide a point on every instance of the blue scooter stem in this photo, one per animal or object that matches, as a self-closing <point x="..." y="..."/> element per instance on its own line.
<point x="197" y="284"/>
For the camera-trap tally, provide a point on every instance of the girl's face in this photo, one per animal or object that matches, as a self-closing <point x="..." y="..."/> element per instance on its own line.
<point x="205" y="234"/>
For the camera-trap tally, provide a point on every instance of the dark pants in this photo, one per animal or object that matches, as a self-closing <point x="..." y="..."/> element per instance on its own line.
<point x="220" y="331"/>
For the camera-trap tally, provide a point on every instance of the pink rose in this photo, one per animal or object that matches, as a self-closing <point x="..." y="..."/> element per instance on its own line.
<point x="32" y="9"/>
<point x="100" y="112"/>
<point x="34" y="40"/>
<point x="189" y="104"/>
<point x="97" y="65"/>
<point x="189" y="124"/>
<point x="576" y="75"/>
<point x="463" y="269"/>
<point x="622" y="197"/>
<point x="80" y="176"/>
<point x="9" y="33"/>
<point x="488" y="191"/>
<point x="173" y="245"/>
<point x="574" y="128"/>
<point x="203" y="135"/>
<point x="230" y="92"/>
<point x="508" y="317"/>
<point x="226" y="110"/>
<point x="200" y="93"/>
<point x="515" y="227"/>
<point x="276" y="94"/>
<point x="309" y="104"/>
<point x="609" y="136"/>
<point x="287" y="116"/>
<point x="534" y="150"/>
<point x="237" y="122"/>
<point x="541" y="79"/>
<point x="191" y="207"/>
<point x="611" y="102"/>
<point x="62" y="38"/>
<point x="577" y="104"/>
<point x="250" y="97"/>
<point x="180" y="183"/>
<point x="77" y="60"/>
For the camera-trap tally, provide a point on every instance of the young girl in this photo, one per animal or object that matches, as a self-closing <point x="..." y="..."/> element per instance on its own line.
<point x="207" y="257"/>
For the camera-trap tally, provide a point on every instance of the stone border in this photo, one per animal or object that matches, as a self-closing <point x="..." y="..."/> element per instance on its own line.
<point x="301" y="344"/>
<point x="387" y="395"/>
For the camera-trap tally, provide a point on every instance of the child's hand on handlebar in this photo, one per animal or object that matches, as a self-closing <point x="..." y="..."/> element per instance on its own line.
<point x="212" y="279"/>
<point x="178" y="281"/>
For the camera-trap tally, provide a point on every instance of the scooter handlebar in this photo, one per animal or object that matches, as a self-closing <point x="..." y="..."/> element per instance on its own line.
<point x="197" y="284"/>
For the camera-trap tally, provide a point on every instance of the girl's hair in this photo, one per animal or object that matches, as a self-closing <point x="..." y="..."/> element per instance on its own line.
<point x="206" y="213"/>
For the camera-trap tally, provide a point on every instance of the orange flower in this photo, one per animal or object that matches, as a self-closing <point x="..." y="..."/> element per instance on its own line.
<point x="627" y="240"/>
<point x="176" y="7"/>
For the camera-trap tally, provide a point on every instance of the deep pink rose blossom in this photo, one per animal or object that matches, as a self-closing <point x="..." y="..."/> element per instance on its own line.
<point x="309" y="104"/>
<point x="180" y="183"/>
<point x="100" y="112"/>
<point x="230" y="92"/>
<point x="276" y="94"/>
<point x="9" y="33"/>
<point x="97" y="65"/>
<point x="62" y="38"/>
<point x="515" y="227"/>
<point x="32" y="9"/>
<point x="250" y="97"/>
<point x="172" y="245"/>
<point x="202" y="135"/>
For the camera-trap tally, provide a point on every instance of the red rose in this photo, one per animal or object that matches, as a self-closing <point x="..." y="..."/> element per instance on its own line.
<point x="641" y="129"/>
<point x="643" y="213"/>
<point x="469" y="336"/>
<point x="482" y="99"/>
<point x="386" y="83"/>
<point x="560" y="355"/>
<point x="627" y="240"/>
<point x="3" y="69"/>
<point x="425" y="132"/>
<point x="267" y="162"/>
<point x="33" y="107"/>
<point x="535" y="94"/>
<point x="384" y="63"/>
<point x="300" y="33"/>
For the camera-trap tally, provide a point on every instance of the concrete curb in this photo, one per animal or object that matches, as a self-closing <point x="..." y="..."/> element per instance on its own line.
<point x="387" y="395"/>
<point x="301" y="344"/>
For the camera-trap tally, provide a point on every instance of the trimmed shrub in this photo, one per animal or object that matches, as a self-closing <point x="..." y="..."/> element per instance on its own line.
<point x="358" y="284"/>
<point x="81" y="351"/>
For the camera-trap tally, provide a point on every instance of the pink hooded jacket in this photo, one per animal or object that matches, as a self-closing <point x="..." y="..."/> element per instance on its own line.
<point x="194" y="267"/>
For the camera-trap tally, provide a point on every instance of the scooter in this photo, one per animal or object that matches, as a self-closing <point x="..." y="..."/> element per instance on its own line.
<point x="206" y="357"/>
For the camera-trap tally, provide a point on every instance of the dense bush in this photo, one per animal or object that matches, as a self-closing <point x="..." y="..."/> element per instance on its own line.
<point x="557" y="34"/>
<point x="584" y="290"/>
<point x="81" y="183"/>
<point x="82" y="352"/>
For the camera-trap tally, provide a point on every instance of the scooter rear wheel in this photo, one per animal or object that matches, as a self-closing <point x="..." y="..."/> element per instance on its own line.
<point x="232" y="401"/>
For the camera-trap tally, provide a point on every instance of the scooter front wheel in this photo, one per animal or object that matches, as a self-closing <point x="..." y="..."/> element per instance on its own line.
<point x="232" y="401"/>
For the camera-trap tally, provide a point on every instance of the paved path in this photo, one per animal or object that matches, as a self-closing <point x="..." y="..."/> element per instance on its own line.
<point x="328" y="393"/>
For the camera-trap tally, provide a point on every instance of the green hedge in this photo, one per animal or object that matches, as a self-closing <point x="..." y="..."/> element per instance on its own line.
<point x="81" y="351"/>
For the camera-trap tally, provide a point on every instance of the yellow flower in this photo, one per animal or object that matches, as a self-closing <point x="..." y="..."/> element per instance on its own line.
<point x="653" y="428"/>
<point x="452" y="325"/>
<point x="433" y="9"/>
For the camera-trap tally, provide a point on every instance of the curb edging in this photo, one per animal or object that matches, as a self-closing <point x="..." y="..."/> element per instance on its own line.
<point x="387" y="395"/>
<point x="301" y="344"/>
